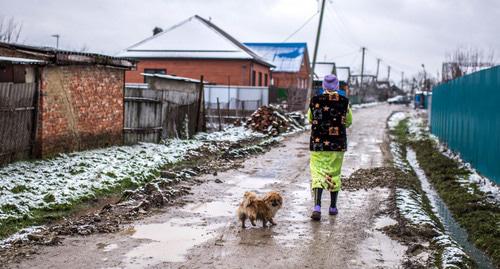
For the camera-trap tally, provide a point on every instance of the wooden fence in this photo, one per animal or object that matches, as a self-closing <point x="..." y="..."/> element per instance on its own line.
<point x="152" y="115"/>
<point x="18" y="102"/>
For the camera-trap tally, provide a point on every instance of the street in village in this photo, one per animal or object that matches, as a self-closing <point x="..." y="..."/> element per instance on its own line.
<point x="130" y="139"/>
<point x="203" y="232"/>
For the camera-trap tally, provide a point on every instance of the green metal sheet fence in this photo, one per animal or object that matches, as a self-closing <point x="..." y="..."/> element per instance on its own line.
<point x="466" y="116"/>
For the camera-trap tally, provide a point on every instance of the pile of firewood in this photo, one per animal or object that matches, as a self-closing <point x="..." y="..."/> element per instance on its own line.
<point x="273" y="121"/>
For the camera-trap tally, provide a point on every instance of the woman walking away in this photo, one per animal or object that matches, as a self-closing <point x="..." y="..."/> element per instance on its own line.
<point x="329" y="115"/>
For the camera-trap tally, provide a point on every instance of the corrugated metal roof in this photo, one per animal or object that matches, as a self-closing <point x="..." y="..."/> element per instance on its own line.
<point x="287" y="57"/>
<point x="192" y="38"/>
<point x="56" y="56"/>
<point x="16" y="60"/>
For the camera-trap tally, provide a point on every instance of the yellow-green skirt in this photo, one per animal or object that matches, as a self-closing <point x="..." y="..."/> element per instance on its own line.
<point x="326" y="167"/>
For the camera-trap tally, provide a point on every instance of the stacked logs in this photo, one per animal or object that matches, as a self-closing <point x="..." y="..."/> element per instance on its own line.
<point x="272" y="121"/>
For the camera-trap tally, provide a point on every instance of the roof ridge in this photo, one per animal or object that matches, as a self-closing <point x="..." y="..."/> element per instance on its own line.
<point x="246" y="49"/>
<point x="163" y="32"/>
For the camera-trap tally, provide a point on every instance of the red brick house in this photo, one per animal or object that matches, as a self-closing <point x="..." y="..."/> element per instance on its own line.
<point x="59" y="101"/>
<point x="290" y="77"/>
<point x="198" y="47"/>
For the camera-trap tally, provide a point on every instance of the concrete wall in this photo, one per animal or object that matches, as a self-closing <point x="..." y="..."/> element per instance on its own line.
<point x="234" y="72"/>
<point x="81" y="107"/>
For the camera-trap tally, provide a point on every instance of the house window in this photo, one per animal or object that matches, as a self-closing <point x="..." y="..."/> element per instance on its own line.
<point x="253" y="78"/>
<point x="154" y="71"/>
<point x="260" y="78"/>
<point x="265" y="80"/>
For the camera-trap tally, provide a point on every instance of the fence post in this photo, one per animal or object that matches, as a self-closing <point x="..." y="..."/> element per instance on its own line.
<point x="200" y="98"/>
<point x="242" y="109"/>
<point x="218" y="113"/>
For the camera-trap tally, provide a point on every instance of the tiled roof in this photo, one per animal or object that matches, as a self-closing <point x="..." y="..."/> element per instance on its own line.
<point x="287" y="57"/>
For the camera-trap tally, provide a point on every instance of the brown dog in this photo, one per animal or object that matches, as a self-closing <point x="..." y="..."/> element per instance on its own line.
<point x="263" y="209"/>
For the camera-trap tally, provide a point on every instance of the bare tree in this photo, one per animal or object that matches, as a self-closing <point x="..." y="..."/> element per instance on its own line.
<point x="10" y="30"/>
<point x="466" y="60"/>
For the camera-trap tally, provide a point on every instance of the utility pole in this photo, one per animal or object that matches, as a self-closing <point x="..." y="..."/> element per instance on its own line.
<point x="316" y="45"/>
<point x="378" y="67"/>
<point x="363" y="50"/>
<point x="425" y="78"/>
<point x="57" y="36"/>
<point x="389" y="73"/>
<point x="402" y="80"/>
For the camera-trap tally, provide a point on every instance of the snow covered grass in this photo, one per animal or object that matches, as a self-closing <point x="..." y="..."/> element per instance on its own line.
<point x="29" y="185"/>
<point x="474" y="179"/>
<point x="395" y="118"/>
<point x="231" y="134"/>
<point x="417" y="206"/>
<point x="28" y="188"/>
<point x="358" y="106"/>
<point x="410" y="205"/>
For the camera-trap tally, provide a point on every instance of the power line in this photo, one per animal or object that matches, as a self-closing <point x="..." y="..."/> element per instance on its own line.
<point x="294" y="32"/>
<point x="301" y="27"/>
<point x="351" y="38"/>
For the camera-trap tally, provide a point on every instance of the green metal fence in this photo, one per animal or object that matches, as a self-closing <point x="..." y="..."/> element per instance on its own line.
<point x="466" y="115"/>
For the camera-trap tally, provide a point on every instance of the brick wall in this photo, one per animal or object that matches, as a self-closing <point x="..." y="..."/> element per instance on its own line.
<point x="81" y="107"/>
<point x="289" y="80"/>
<point x="214" y="71"/>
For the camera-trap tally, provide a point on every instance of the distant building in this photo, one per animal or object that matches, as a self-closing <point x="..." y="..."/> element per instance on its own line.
<point x="290" y="77"/>
<point x="55" y="101"/>
<point x="197" y="47"/>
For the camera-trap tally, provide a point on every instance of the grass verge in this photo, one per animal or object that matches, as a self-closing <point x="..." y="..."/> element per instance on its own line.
<point x="467" y="204"/>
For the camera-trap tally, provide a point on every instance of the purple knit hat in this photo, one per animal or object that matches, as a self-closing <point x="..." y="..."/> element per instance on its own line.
<point x="331" y="82"/>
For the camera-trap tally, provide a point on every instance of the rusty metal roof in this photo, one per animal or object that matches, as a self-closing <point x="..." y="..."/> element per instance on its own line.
<point x="65" y="57"/>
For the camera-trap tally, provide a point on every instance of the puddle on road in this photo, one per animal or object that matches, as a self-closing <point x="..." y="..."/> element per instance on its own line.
<point x="244" y="182"/>
<point x="107" y="247"/>
<point x="215" y="209"/>
<point x="379" y="250"/>
<point x="171" y="241"/>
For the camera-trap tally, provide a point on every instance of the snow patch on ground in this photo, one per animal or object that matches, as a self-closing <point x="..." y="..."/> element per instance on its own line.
<point x="484" y="184"/>
<point x="409" y="203"/>
<point x="28" y="185"/>
<point x="358" y="106"/>
<point x="20" y="236"/>
<point x="231" y="134"/>
<point x="452" y="255"/>
<point x="395" y="119"/>
<point x="418" y="129"/>
<point x="417" y="126"/>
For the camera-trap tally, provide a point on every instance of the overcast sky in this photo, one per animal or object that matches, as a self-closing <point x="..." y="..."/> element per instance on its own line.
<point x="403" y="33"/>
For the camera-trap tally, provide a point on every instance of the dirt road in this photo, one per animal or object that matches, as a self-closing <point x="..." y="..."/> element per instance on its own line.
<point x="204" y="232"/>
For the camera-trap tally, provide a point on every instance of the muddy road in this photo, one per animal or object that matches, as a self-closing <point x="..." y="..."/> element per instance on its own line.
<point x="202" y="230"/>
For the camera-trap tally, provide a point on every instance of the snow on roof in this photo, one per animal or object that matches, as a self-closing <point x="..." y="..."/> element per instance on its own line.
<point x="342" y="74"/>
<point x="192" y="38"/>
<point x="287" y="57"/>
<point x="323" y="69"/>
<point x="172" y="77"/>
<point x="16" y="60"/>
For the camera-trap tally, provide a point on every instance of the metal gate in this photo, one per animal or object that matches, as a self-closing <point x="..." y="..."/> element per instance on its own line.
<point x="18" y="102"/>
